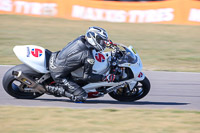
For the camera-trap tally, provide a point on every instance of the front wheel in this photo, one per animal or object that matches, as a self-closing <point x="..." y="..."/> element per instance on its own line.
<point x="140" y="90"/>
<point x="12" y="86"/>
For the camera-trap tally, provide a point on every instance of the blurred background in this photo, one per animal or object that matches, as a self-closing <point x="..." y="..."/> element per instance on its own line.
<point x="165" y="33"/>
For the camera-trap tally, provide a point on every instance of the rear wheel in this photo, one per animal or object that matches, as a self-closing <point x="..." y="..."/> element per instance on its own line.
<point x="12" y="85"/>
<point x="140" y="90"/>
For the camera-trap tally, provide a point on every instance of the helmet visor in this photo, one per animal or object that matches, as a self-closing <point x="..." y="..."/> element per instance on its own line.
<point x="103" y="44"/>
<point x="99" y="38"/>
<point x="101" y="41"/>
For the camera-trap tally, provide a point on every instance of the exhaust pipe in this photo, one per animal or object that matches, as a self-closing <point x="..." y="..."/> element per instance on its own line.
<point x="28" y="81"/>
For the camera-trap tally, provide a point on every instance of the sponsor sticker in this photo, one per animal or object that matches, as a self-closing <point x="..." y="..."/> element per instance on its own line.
<point x="134" y="50"/>
<point x="36" y="52"/>
<point x="140" y="75"/>
<point x="99" y="57"/>
<point x="28" y="52"/>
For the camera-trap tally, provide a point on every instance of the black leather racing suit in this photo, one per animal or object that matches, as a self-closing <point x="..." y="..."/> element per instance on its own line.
<point x="76" y="54"/>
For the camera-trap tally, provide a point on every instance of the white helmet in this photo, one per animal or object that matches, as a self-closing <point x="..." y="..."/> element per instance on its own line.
<point x="96" y="37"/>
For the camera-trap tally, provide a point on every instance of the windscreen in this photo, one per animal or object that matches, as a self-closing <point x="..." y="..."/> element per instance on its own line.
<point x="128" y="57"/>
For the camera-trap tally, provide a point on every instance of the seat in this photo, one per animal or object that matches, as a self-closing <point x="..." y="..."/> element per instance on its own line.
<point x="47" y="57"/>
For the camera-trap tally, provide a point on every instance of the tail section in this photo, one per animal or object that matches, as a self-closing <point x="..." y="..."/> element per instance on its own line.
<point x="34" y="56"/>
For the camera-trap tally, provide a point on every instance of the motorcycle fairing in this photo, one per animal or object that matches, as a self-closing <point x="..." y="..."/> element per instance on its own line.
<point x="33" y="56"/>
<point x="101" y="64"/>
<point x="93" y="86"/>
<point x="135" y="67"/>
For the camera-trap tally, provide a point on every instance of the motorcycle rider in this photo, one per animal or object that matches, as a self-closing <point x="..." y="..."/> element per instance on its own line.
<point x="77" y="54"/>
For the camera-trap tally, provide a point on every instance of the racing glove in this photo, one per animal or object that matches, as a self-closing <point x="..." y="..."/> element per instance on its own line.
<point x="109" y="78"/>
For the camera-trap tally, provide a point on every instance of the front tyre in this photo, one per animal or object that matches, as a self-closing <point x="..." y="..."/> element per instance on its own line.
<point x="11" y="85"/>
<point x="140" y="90"/>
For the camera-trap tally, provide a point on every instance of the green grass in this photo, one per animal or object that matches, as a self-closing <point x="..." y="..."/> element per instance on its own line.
<point x="161" y="46"/>
<point x="63" y="120"/>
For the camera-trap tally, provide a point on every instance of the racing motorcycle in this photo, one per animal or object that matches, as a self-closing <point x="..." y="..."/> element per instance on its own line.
<point x="28" y="80"/>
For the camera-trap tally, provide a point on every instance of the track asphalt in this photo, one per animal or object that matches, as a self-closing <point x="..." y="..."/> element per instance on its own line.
<point x="169" y="90"/>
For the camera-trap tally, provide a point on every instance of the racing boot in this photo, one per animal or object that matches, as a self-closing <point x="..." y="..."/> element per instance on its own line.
<point x="75" y="94"/>
<point x="57" y="91"/>
<point x="79" y="94"/>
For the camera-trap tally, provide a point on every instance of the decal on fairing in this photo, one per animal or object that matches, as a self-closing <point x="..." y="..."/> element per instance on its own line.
<point x="134" y="50"/>
<point x="140" y="75"/>
<point x="36" y="52"/>
<point x="28" y="52"/>
<point x="99" y="57"/>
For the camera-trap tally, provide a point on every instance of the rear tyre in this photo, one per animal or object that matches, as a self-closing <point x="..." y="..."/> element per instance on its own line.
<point x="141" y="89"/>
<point x="11" y="85"/>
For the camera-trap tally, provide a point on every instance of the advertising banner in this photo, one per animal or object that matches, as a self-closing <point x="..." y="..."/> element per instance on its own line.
<point x="167" y="12"/>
